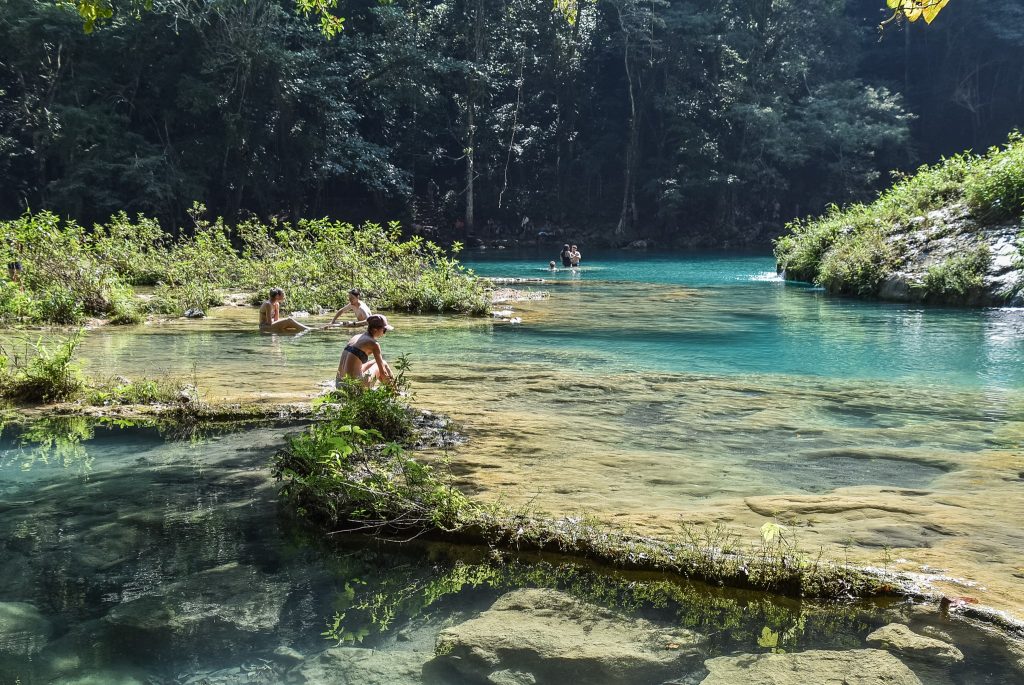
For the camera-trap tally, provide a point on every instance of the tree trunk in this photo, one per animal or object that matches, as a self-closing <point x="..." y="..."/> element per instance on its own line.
<point x="478" y="45"/>
<point x="471" y="140"/>
<point x="628" y="214"/>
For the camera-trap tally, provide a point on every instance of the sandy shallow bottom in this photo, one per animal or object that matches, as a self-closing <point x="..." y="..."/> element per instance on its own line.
<point x="927" y="479"/>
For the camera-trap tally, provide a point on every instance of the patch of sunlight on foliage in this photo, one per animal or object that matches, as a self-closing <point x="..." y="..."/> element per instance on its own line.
<point x="912" y="10"/>
<point x="852" y="250"/>
<point x="70" y="273"/>
<point x="958" y="275"/>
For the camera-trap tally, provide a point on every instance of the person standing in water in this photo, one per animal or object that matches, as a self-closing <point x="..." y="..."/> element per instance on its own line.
<point x="270" y="316"/>
<point x="574" y="257"/>
<point x="566" y="255"/>
<point x="355" y="359"/>
<point x="356" y="306"/>
<point x="14" y="265"/>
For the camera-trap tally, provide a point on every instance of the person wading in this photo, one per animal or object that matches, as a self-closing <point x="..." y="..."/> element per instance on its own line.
<point x="359" y="308"/>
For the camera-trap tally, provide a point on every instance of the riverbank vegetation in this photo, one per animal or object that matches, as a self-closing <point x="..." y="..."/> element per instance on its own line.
<point x="71" y="273"/>
<point x="854" y="249"/>
<point x="47" y="372"/>
<point x="344" y="477"/>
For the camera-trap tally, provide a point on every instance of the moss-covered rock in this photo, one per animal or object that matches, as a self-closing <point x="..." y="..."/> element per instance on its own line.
<point x="950" y="234"/>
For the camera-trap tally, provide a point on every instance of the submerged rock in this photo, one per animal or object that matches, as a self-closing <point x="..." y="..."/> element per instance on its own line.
<point x="814" y="667"/>
<point x="353" y="666"/>
<point x="23" y="630"/>
<point x="102" y="678"/>
<point x="229" y="597"/>
<point x="900" y="639"/>
<point x="547" y="637"/>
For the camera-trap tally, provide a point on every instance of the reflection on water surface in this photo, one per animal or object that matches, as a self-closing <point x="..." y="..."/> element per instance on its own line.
<point x="168" y="562"/>
<point x="650" y="389"/>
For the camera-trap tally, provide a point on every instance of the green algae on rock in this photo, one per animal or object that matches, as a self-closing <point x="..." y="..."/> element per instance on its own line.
<point x="343" y="477"/>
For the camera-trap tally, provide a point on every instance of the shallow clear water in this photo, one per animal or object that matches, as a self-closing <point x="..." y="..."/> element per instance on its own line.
<point x="658" y="390"/>
<point x="143" y="560"/>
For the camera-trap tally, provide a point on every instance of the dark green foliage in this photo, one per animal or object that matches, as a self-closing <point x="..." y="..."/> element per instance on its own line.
<point x="656" y="118"/>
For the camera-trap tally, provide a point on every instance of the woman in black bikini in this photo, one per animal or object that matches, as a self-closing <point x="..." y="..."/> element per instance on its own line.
<point x="355" y="359"/>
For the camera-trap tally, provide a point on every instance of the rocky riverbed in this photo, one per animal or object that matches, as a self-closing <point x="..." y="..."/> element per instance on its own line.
<point x="532" y="637"/>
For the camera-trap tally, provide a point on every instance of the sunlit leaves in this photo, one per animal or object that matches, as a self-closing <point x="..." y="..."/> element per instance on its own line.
<point x="913" y="10"/>
<point x="569" y="9"/>
<point x="769" y="639"/>
<point x="330" y="25"/>
<point x="94" y="12"/>
<point x="771" y="531"/>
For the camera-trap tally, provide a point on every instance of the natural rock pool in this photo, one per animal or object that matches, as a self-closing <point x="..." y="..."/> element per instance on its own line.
<point x="128" y="558"/>
<point x="652" y="391"/>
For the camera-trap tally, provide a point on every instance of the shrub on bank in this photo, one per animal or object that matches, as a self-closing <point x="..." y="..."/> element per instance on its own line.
<point x="996" y="188"/>
<point x="958" y="275"/>
<point x="318" y="261"/>
<point x="41" y="373"/>
<point x="65" y="277"/>
<point x="852" y="250"/>
<point x="71" y="273"/>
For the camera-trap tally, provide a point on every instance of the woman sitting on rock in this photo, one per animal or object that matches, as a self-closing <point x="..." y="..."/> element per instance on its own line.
<point x="355" y="359"/>
<point x="270" y="316"/>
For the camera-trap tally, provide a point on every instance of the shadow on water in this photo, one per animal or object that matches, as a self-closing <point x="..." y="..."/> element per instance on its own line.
<point x="826" y="472"/>
<point x="167" y="561"/>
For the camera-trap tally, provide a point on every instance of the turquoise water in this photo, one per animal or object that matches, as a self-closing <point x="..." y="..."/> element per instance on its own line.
<point x="740" y="318"/>
<point x="128" y="558"/>
<point x="659" y="389"/>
